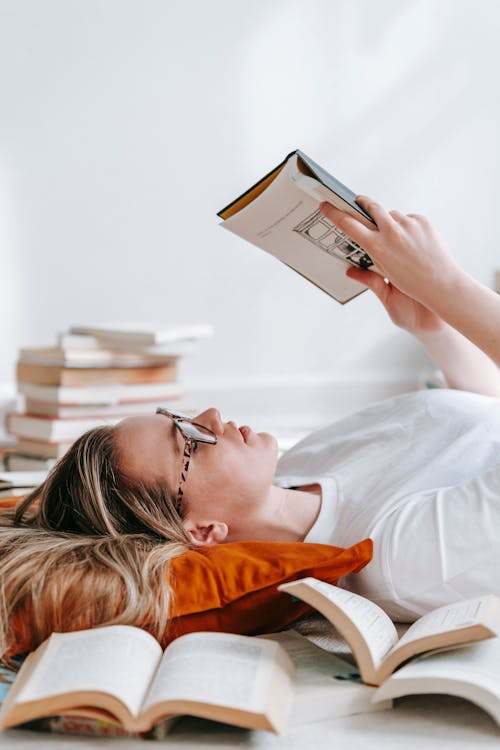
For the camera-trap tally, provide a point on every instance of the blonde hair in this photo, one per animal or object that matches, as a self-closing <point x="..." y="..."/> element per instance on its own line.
<point x="88" y="547"/>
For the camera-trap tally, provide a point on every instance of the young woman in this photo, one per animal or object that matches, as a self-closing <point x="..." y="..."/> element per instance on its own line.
<point x="419" y="473"/>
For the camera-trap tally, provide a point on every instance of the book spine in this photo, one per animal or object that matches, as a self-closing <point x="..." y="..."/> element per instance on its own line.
<point x="74" y="376"/>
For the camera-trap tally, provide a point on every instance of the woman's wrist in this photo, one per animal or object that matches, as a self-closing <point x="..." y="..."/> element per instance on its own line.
<point x="430" y="336"/>
<point x="442" y="291"/>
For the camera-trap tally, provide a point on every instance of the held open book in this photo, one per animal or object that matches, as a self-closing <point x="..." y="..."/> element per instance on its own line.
<point x="373" y="638"/>
<point x="280" y="214"/>
<point x="120" y="674"/>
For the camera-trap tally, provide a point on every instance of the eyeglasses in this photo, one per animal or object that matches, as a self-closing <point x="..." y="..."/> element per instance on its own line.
<point x="193" y="433"/>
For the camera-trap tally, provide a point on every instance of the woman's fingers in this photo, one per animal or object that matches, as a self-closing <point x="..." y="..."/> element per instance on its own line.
<point x="347" y="223"/>
<point x="368" y="237"/>
<point x="372" y="280"/>
<point x="398" y="216"/>
<point x="380" y="216"/>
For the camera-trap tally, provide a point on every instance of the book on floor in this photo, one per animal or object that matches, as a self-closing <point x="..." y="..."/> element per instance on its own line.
<point x="77" y="342"/>
<point x="471" y="672"/>
<point x="53" y="430"/>
<point x="89" y="411"/>
<point x="57" y="356"/>
<point x="281" y="215"/>
<point x="79" y="725"/>
<point x="21" y="479"/>
<point x="88" y="376"/>
<point x="324" y="686"/>
<point x="120" y="674"/>
<point x="42" y="449"/>
<point x="372" y="636"/>
<point x="101" y="394"/>
<point x="138" y="334"/>
<point x="23" y="462"/>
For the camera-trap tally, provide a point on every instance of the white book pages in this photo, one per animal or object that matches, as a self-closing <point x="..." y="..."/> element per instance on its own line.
<point x="376" y="629"/>
<point x="446" y="619"/>
<point x="118" y="660"/>
<point x="215" y="668"/>
<point x="324" y="685"/>
<point x="470" y="672"/>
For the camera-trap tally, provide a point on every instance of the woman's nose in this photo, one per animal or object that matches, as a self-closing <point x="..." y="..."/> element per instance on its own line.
<point x="211" y="418"/>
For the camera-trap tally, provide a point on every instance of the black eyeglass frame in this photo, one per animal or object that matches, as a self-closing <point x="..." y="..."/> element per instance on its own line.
<point x="201" y="434"/>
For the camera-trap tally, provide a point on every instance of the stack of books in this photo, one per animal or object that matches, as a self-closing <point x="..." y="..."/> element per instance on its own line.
<point x="93" y="376"/>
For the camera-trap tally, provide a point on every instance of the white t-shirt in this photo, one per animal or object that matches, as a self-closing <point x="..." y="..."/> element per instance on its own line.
<point x="420" y="475"/>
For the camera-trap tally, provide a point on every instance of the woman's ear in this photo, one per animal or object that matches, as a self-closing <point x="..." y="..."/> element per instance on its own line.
<point x="205" y="533"/>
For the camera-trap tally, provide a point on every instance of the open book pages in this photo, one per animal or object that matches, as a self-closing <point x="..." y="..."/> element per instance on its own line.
<point x="367" y="629"/>
<point x="119" y="674"/>
<point x="470" y="672"/>
<point x="324" y="685"/>
<point x="373" y="637"/>
<point x="281" y="215"/>
<point x="238" y="679"/>
<point x="447" y="626"/>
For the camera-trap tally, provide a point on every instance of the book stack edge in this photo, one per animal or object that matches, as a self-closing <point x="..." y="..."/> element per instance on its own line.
<point x="93" y="376"/>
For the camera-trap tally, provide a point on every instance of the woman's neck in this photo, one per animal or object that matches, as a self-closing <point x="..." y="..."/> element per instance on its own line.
<point x="287" y="516"/>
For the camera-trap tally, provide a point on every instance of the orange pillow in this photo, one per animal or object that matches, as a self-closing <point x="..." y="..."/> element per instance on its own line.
<point x="233" y="587"/>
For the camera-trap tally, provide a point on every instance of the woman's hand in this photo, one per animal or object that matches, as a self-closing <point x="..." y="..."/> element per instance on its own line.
<point x="406" y="249"/>
<point x="404" y="311"/>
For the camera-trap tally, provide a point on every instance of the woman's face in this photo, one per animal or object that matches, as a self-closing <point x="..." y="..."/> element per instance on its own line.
<point x="226" y="482"/>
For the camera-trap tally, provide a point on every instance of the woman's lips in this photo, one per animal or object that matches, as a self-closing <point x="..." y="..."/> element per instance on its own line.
<point x="245" y="431"/>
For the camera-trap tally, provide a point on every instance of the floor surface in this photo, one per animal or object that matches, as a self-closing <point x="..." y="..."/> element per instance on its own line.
<point x="415" y="722"/>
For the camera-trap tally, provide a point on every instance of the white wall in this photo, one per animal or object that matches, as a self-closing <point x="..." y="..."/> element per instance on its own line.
<point x="126" y="124"/>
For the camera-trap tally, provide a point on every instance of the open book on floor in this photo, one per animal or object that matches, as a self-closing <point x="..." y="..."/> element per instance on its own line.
<point x="371" y="633"/>
<point x="281" y="215"/>
<point x="120" y="674"/>
<point x="325" y="686"/>
<point x="471" y="672"/>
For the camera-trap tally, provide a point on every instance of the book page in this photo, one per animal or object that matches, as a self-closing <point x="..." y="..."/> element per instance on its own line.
<point x="469" y="672"/>
<point x="324" y="685"/>
<point x="118" y="659"/>
<point x="372" y="623"/>
<point x="446" y="619"/>
<point x="313" y="665"/>
<point x="286" y="222"/>
<point x="477" y="664"/>
<point x="216" y="668"/>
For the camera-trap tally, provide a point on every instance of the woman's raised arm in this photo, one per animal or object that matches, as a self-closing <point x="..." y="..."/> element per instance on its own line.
<point x="464" y="366"/>
<point x="409" y="252"/>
